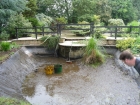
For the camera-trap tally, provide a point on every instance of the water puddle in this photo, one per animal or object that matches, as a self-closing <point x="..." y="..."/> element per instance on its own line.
<point x="41" y="89"/>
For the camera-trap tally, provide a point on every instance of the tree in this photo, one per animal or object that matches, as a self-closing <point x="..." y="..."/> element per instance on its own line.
<point x="31" y="12"/>
<point x="9" y="7"/>
<point x="82" y="8"/>
<point x="55" y="8"/>
<point x="102" y="9"/>
<point x="123" y="9"/>
<point x="136" y="5"/>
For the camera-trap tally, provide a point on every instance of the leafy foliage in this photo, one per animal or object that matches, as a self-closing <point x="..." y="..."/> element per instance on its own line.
<point x="10" y="7"/>
<point x="16" y="21"/>
<point x="78" y="32"/>
<point x="61" y="20"/>
<point x="123" y="9"/>
<point x="44" y="20"/>
<point x="116" y="22"/>
<point x="4" y="35"/>
<point x="136" y="46"/>
<point x="5" y="46"/>
<point x="34" y="22"/>
<point x="56" y="8"/>
<point x="50" y="41"/>
<point x="103" y="9"/>
<point x="31" y="12"/>
<point x="125" y="44"/>
<point x="96" y="19"/>
<point x="129" y="43"/>
<point x="86" y="17"/>
<point x="133" y="30"/>
<point x="98" y="33"/>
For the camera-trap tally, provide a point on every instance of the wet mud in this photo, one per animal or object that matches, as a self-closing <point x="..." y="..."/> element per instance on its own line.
<point x="80" y="84"/>
<point x="22" y="76"/>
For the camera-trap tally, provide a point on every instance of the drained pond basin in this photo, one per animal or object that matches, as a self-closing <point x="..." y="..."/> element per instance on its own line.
<point x="23" y="75"/>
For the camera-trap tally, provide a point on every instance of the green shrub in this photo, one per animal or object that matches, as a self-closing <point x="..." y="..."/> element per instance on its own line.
<point x="135" y="48"/>
<point x="116" y="22"/>
<point x="86" y="17"/>
<point x="93" y="53"/>
<point x="133" y="23"/>
<point x="61" y="20"/>
<point x="125" y="44"/>
<point x="5" y="46"/>
<point x="14" y="45"/>
<point x="12" y="101"/>
<point x="96" y="19"/>
<point x="98" y="32"/>
<point x="50" y="41"/>
<point x="4" y="35"/>
<point x="34" y="22"/>
<point x="16" y="21"/>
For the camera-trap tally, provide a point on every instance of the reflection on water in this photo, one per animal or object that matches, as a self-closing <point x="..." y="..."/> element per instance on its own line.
<point x="41" y="97"/>
<point x="41" y="89"/>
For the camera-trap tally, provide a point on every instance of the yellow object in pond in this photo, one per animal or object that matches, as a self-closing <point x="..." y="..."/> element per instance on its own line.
<point x="49" y="69"/>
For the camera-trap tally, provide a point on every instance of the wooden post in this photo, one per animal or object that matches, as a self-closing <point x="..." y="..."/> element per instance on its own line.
<point x="130" y="29"/>
<point x="115" y="32"/>
<point x="36" y="32"/>
<point x="111" y="32"/>
<point x="43" y="31"/>
<point x="91" y="28"/>
<point x="60" y="29"/>
<point x="16" y="33"/>
<point x="139" y="29"/>
<point x="57" y="27"/>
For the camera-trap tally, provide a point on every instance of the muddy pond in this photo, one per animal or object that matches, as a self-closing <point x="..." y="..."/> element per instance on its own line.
<point x="80" y="84"/>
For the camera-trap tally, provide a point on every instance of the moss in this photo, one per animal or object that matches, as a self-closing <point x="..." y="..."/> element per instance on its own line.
<point x="12" y="101"/>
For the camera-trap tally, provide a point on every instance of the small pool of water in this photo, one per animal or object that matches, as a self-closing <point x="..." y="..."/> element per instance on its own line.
<point x="79" y="84"/>
<point x="39" y="88"/>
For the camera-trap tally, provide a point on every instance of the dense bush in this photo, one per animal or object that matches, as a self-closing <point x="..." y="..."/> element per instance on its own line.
<point x="61" y="20"/>
<point x="116" y="22"/>
<point x="4" y="35"/>
<point x="130" y="43"/>
<point x="136" y="46"/>
<point x="5" y="46"/>
<point x="86" y="17"/>
<point x="125" y="44"/>
<point x="98" y="32"/>
<point x="16" y="21"/>
<point x="96" y="19"/>
<point x="34" y="22"/>
<point x="133" y="30"/>
<point x="50" y="41"/>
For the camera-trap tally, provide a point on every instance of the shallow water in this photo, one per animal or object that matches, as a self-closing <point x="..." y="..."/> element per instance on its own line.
<point x="80" y="84"/>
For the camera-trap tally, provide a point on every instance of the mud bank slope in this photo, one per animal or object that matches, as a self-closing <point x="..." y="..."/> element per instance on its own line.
<point x="14" y="70"/>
